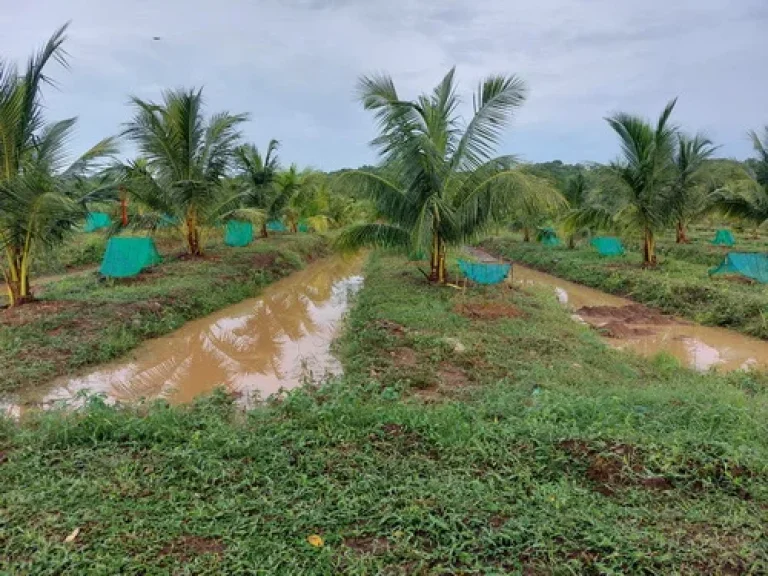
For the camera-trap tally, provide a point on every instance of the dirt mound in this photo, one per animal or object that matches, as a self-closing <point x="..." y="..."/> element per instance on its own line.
<point x="488" y="310"/>
<point x="631" y="314"/>
<point x="621" y="331"/>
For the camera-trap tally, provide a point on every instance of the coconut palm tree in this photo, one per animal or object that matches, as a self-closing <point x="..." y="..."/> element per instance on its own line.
<point x="36" y="177"/>
<point x="689" y="197"/>
<point x="259" y="172"/>
<point x="644" y="175"/>
<point x="291" y="193"/>
<point x="575" y="193"/>
<point x="438" y="183"/>
<point x="745" y="193"/>
<point x="185" y="158"/>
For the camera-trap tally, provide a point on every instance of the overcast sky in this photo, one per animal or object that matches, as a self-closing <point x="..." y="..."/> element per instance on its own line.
<point x="293" y="64"/>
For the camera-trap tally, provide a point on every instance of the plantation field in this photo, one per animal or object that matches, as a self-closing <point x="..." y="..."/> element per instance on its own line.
<point x="82" y="320"/>
<point x="477" y="434"/>
<point x="676" y="286"/>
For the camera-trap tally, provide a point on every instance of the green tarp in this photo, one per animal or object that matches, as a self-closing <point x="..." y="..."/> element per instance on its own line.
<point x="303" y="227"/>
<point x="548" y="237"/>
<point x="127" y="256"/>
<point x="96" y="221"/>
<point x="723" y="238"/>
<point x="276" y="226"/>
<point x="484" y="273"/>
<point x="751" y="265"/>
<point x="238" y="233"/>
<point x="608" y="246"/>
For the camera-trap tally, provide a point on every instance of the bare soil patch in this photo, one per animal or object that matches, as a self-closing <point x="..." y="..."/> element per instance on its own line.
<point x="631" y="314"/>
<point x="488" y="310"/>
<point x="622" y="331"/>
<point x="451" y="376"/>
<point x="367" y="544"/>
<point x="404" y="357"/>
<point x="187" y="547"/>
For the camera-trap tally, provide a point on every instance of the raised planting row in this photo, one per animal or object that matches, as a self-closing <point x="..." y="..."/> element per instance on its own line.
<point x="82" y="320"/>
<point x="475" y="433"/>
<point x="674" y="286"/>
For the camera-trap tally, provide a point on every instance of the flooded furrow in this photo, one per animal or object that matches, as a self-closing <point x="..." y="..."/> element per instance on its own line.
<point x="278" y="340"/>
<point x="631" y="326"/>
<point x="627" y="325"/>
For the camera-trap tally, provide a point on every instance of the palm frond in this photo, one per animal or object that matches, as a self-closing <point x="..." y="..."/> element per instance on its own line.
<point x="374" y="235"/>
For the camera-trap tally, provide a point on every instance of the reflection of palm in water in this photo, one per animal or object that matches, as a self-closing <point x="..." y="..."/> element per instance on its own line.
<point x="241" y="347"/>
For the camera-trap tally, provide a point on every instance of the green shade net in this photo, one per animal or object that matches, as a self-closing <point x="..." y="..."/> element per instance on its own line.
<point x="276" y="226"/>
<point x="608" y="246"/>
<point x="548" y="237"/>
<point x="238" y="233"/>
<point x="484" y="273"/>
<point x="751" y="265"/>
<point x="303" y="227"/>
<point x="723" y="238"/>
<point x="96" y="221"/>
<point x="126" y="256"/>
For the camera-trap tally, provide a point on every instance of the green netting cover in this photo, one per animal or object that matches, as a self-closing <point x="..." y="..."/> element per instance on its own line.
<point x="751" y="265"/>
<point x="483" y="272"/>
<point x="276" y="226"/>
<point x="126" y="256"/>
<point x="96" y="221"/>
<point x="303" y="227"/>
<point x="548" y="237"/>
<point x="723" y="238"/>
<point x="608" y="246"/>
<point x="238" y="233"/>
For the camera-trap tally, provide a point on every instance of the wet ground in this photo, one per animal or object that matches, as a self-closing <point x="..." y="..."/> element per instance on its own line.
<point x="279" y="340"/>
<point x="624" y="324"/>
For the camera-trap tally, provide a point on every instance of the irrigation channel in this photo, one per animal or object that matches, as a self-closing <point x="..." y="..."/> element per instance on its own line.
<point x="280" y="339"/>
<point x="627" y="325"/>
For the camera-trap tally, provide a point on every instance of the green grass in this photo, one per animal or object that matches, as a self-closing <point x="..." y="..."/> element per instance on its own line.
<point x="675" y="286"/>
<point x="82" y="320"/>
<point x="536" y="450"/>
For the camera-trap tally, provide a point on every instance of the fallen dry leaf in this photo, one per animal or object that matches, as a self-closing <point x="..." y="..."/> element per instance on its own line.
<point x="72" y="535"/>
<point x="315" y="540"/>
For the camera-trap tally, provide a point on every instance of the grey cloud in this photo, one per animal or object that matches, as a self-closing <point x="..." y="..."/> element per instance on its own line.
<point x="293" y="64"/>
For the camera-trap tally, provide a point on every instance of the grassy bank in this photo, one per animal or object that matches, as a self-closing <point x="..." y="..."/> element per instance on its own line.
<point x="81" y="320"/>
<point x="520" y="444"/>
<point x="675" y="286"/>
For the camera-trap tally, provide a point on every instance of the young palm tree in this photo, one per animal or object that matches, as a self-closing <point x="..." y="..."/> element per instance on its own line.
<point x="438" y="183"/>
<point x="645" y="174"/>
<point x="576" y="189"/>
<point x="310" y="204"/>
<point x="186" y="158"/>
<point x="290" y="190"/>
<point x="259" y="174"/>
<point x="689" y="197"/>
<point x="35" y="178"/>
<point x="745" y="193"/>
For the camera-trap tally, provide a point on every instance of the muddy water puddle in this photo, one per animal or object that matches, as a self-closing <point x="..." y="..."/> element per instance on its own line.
<point x="278" y="340"/>
<point x="631" y="326"/>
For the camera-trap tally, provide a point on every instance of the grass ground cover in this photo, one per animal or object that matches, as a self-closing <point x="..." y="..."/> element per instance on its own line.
<point x="80" y="320"/>
<point x="477" y="433"/>
<point x="675" y="286"/>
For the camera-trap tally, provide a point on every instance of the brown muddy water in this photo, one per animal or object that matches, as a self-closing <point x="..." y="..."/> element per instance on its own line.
<point x="631" y="326"/>
<point x="279" y="340"/>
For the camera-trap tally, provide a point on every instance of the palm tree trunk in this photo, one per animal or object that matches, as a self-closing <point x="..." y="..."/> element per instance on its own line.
<point x="649" y="248"/>
<point x="571" y="242"/>
<point x="526" y="234"/>
<point x="123" y="207"/>
<point x="682" y="236"/>
<point x="437" y="260"/>
<point x="193" y="236"/>
<point x="264" y="231"/>
<point x="17" y="277"/>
